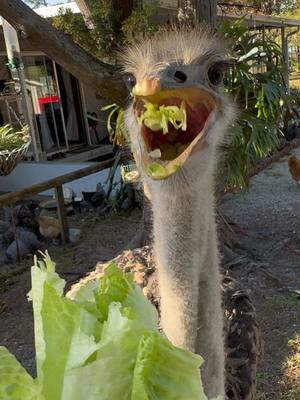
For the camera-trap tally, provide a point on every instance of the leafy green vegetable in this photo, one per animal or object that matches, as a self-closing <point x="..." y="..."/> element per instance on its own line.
<point x="15" y="383"/>
<point x="102" y="345"/>
<point x="163" y="371"/>
<point x="10" y="140"/>
<point x="157" y="118"/>
<point x="158" y="171"/>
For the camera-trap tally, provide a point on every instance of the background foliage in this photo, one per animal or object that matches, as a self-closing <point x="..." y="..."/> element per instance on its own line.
<point x="110" y="30"/>
<point x="256" y="83"/>
<point x="255" y="80"/>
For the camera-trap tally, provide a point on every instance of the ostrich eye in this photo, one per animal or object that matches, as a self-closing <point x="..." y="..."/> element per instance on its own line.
<point x="179" y="77"/>
<point x="130" y="81"/>
<point x="216" y="74"/>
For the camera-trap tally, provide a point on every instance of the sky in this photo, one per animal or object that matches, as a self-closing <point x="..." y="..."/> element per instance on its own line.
<point x="56" y="1"/>
<point x="50" y="2"/>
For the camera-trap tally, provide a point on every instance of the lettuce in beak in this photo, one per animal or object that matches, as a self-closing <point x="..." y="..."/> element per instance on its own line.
<point x="157" y="118"/>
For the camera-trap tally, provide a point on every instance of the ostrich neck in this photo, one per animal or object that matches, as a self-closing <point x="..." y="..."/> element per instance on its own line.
<point x="183" y="226"/>
<point x="186" y="252"/>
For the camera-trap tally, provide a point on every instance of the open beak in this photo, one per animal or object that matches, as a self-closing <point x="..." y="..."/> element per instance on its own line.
<point x="165" y="151"/>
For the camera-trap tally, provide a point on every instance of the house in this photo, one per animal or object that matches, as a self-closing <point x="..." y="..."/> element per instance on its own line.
<point x="65" y="117"/>
<point x="60" y="106"/>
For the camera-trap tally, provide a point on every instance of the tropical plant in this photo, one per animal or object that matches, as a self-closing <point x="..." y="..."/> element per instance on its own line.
<point x="10" y="140"/>
<point x="255" y="80"/>
<point x="114" y="124"/>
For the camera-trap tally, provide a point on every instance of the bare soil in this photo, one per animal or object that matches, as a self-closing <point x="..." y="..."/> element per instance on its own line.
<point x="267" y="222"/>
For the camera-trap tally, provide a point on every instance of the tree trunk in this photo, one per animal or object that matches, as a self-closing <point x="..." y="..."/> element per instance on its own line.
<point x="120" y="10"/>
<point x="197" y="11"/>
<point x="206" y="11"/>
<point x="85" y="10"/>
<point x="103" y="77"/>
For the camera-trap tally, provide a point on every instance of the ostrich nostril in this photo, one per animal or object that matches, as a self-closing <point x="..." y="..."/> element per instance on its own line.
<point x="180" y="77"/>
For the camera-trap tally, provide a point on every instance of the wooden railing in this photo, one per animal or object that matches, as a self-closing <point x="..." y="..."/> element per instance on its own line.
<point x="56" y="183"/>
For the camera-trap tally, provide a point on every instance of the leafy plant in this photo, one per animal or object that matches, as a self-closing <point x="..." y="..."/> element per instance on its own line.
<point x="256" y="83"/>
<point x="114" y="124"/>
<point x="138" y="24"/>
<point x="110" y="28"/>
<point x="104" y="344"/>
<point x="10" y="140"/>
<point x="74" y="26"/>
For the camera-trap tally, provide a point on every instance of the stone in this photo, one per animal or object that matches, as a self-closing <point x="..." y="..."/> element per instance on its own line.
<point x="7" y="237"/>
<point x="4" y="226"/>
<point x="139" y="278"/>
<point x="26" y="215"/>
<point x="3" y="259"/>
<point x="11" y="252"/>
<point x="74" y="235"/>
<point x="29" y="238"/>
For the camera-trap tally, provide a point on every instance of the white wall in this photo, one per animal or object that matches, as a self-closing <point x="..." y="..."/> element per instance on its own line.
<point x="30" y="173"/>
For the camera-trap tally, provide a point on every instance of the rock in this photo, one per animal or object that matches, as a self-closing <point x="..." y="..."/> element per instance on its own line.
<point x="29" y="239"/>
<point x="5" y="214"/>
<point x="94" y="198"/>
<point x="26" y="215"/>
<point x="7" y="237"/>
<point x="139" y="278"/>
<point x="74" y="235"/>
<point x="11" y="252"/>
<point x="4" y="226"/>
<point x="3" y="259"/>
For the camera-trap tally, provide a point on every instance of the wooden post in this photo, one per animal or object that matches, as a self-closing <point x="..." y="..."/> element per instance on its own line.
<point x="197" y="11"/>
<point x="206" y="11"/>
<point x="62" y="215"/>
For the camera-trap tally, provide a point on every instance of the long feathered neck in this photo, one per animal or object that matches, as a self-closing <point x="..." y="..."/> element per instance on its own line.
<point x="186" y="253"/>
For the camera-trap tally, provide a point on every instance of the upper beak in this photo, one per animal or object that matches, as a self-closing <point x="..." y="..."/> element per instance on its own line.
<point x="146" y="87"/>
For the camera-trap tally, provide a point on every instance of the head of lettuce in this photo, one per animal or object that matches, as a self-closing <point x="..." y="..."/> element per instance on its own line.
<point x="102" y="345"/>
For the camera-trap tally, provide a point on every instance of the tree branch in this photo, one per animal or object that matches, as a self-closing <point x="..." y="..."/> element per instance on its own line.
<point x="104" y="78"/>
<point x="86" y="12"/>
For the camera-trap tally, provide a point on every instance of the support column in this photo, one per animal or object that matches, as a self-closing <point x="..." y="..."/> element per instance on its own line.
<point x="15" y="63"/>
<point x="62" y="214"/>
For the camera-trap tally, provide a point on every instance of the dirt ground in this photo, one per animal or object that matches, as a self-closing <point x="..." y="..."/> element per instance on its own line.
<point x="267" y="222"/>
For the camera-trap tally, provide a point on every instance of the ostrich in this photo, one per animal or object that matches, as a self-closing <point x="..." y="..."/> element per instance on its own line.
<point x="170" y="68"/>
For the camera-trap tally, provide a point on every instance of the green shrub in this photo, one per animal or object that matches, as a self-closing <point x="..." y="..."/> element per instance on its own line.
<point x="256" y="83"/>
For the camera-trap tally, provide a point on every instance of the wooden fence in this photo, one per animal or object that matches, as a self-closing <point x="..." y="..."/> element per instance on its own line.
<point x="56" y="183"/>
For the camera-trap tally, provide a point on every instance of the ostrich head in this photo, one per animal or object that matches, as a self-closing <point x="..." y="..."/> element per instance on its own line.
<point x="174" y="68"/>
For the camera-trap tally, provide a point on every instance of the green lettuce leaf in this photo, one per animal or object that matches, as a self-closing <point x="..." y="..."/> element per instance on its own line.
<point x="109" y="375"/>
<point x="157" y="118"/>
<point x="42" y="271"/>
<point x="102" y="345"/>
<point x="164" y="371"/>
<point x="158" y="171"/>
<point x="15" y="382"/>
<point x="68" y="332"/>
<point x="116" y="286"/>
